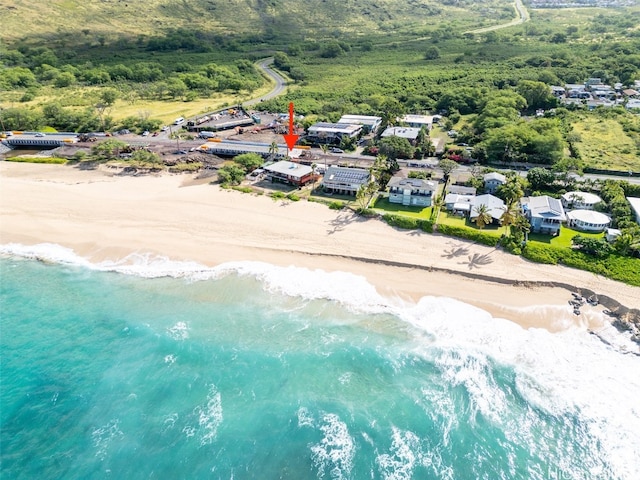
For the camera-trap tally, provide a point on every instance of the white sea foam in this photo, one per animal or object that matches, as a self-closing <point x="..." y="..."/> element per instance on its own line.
<point x="406" y="453"/>
<point x="336" y="451"/>
<point x="179" y="331"/>
<point x="570" y="372"/>
<point x="210" y="416"/>
<point x="333" y="455"/>
<point x="104" y="436"/>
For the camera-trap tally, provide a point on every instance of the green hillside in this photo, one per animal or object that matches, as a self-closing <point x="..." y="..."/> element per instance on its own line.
<point x="270" y="19"/>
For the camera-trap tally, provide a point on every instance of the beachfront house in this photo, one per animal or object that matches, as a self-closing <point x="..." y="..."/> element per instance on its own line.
<point x="495" y="207"/>
<point x="588" y="220"/>
<point x="580" y="200"/>
<point x="290" y="173"/>
<point x="492" y="181"/>
<point x="344" y="180"/>
<point x="457" y="203"/>
<point x="545" y="214"/>
<point x="411" y="191"/>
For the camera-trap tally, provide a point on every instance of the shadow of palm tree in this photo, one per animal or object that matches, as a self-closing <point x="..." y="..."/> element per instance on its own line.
<point x="476" y="260"/>
<point x="455" y="251"/>
<point x="342" y="221"/>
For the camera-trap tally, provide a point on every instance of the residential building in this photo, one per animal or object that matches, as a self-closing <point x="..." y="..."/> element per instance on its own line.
<point x="545" y="214"/>
<point x="370" y="124"/>
<point x="332" y="133"/>
<point x="495" y="207"/>
<point x="405" y="132"/>
<point x="458" y="204"/>
<point x="344" y="180"/>
<point x="588" y="220"/>
<point x="411" y="191"/>
<point x="635" y="206"/>
<point x="419" y="121"/>
<point x="289" y="172"/>
<point x="492" y="181"/>
<point x="461" y="190"/>
<point x="580" y="200"/>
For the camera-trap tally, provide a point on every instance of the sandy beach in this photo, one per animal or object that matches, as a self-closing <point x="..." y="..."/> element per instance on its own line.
<point x="103" y="217"/>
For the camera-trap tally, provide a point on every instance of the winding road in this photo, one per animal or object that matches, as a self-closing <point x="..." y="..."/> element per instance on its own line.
<point x="281" y="83"/>
<point x="521" y="11"/>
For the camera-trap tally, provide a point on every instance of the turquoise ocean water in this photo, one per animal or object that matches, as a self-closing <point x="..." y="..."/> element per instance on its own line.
<point x="154" y="369"/>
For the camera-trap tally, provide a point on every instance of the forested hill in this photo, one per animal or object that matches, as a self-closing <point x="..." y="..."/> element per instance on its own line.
<point x="268" y="19"/>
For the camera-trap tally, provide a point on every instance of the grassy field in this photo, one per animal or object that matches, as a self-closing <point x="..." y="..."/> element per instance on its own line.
<point x="605" y="145"/>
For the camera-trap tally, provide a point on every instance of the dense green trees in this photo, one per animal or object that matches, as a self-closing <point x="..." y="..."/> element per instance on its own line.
<point x="396" y="147"/>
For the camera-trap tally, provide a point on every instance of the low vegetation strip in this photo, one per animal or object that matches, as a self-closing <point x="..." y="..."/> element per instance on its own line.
<point x="52" y="160"/>
<point x="624" y="269"/>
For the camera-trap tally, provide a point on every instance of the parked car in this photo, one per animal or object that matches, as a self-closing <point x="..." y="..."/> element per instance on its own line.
<point x="337" y="150"/>
<point x="145" y="133"/>
<point x="39" y="134"/>
<point x="164" y="129"/>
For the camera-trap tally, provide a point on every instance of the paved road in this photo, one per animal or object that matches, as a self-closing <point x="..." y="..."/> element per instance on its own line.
<point x="523" y="16"/>
<point x="281" y="83"/>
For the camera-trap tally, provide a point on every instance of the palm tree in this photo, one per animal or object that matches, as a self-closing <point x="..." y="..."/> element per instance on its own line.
<point x="273" y="150"/>
<point x="325" y="150"/>
<point x="508" y="217"/>
<point x="522" y="226"/>
<point x="484" y="217"/>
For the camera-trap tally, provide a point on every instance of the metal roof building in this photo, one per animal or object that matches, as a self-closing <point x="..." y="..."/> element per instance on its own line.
<point x="345" y="180"/>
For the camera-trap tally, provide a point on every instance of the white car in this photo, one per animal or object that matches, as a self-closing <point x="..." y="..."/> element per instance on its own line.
<point x="145" y="133"/>
<point x="39" y="134"/>
<point x="164" y="129"/>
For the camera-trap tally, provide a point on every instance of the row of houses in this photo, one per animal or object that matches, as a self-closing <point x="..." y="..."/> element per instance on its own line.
<point x="353" y="126"/>
<point x="594" y="93"/>
<point x="545" y="214"/>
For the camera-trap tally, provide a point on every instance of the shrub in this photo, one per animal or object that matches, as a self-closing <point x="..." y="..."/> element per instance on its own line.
<point x="243" y="189"/>
<point x="336" y="205"/>
<point x="293" y="197"/>
<point x="401" y="221"/>
<point x="277" y="195"/>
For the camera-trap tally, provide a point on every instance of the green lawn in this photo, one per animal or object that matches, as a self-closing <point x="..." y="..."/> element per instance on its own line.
<point x="446" y="218"/>
<point x="383" y="204"/>
<point x="562" y="240"/>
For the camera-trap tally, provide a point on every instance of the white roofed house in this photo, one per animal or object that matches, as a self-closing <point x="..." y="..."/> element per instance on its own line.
<point x="411" y="191"/>
<point x="458" y="199"/>
<point x="409" y="133"/>
<point x="332" y="133"/>
<point x="290" y="173"/>
<point x="495" y="207"/>
<point x="369" y="123"/>
<point x="581" y="200"/>
<point x="545" y="214"/>
<point x="588" y="220"/>
<point x="418" y="121"/>
<point x="492" y="181"/>
<point x="344" y="180"/>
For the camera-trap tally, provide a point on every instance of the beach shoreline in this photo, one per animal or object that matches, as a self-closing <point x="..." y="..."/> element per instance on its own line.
<point x="104" y="217"/>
